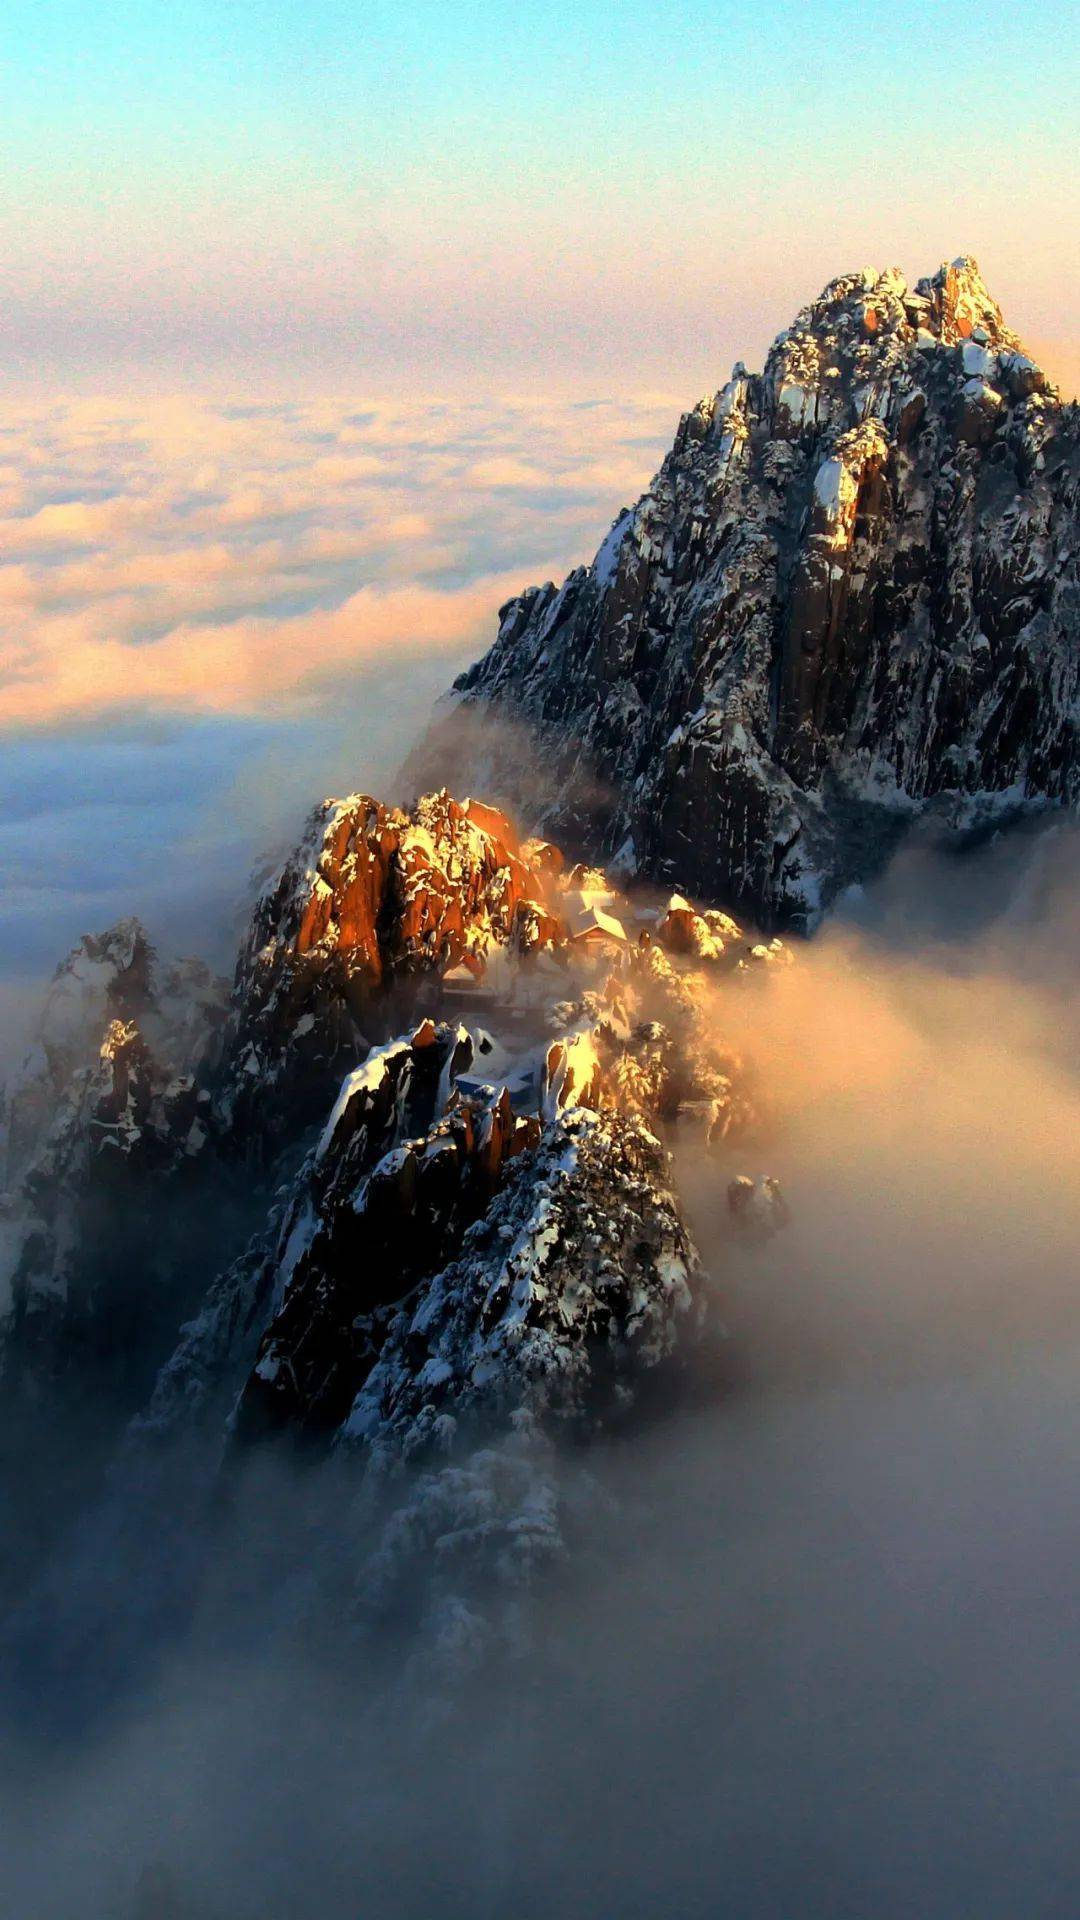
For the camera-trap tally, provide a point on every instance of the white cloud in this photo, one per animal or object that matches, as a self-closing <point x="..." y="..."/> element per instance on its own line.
<point x="196" y="556"/>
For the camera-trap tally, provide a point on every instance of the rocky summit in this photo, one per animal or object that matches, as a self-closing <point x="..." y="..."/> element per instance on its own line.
<point x="848" y="599"/>
<point x="408" y="1186"/>
<point x="403" y="1198"/>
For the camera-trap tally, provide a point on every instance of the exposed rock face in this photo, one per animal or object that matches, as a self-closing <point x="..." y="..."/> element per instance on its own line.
<point x="440" y="1251"/>
<point x="413" y="1182"/>
<point x="372" y="901"/>
<point x="332" y="1250"/>
<point x="482" y="1248"/>
<point x="379" y="916"/>
<point x="465" y="1234"/>
<point x="850" y="594"/>
<point x="563" y="1293"/>
<point x="138" y="1100"/>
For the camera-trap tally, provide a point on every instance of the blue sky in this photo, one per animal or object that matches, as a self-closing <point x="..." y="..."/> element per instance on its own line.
<point x="427" y="239"/>
<point x="291" y="190"/>
<point x="214" y="613"/>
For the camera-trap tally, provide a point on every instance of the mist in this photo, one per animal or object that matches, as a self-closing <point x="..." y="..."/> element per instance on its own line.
<point x="218" y="611"/>
<point x="811" y="1648"/>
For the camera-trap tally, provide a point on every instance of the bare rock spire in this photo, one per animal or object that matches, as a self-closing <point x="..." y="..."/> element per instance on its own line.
<point x="848" y="596"/>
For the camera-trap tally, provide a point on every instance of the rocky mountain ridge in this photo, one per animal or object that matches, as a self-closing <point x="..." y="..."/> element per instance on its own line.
<point x="443" y="1087"/>
<point x="402" y="1199"/>
<point x="847" y="600"/>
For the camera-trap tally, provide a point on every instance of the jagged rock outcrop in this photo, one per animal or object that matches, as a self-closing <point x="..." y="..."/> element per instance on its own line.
<point x="439" y="1248"/>
<point x="482" y="1247"/>
<point x="374" y="903"/>
<point x="563" y="1294"/>
<point x="140" y="1095"/>
<point x="108" y="1100"/>
<point x="460" y="1239"/>
<point x="441" y="1218"/>
<point x="382" y="916"/>
<point x="331" y="1250"/>
<point x="600" y="1006"/>
<point x="177" y="1007"/>
<point x="849" y="596"/>
<point x="111" y="1212"/>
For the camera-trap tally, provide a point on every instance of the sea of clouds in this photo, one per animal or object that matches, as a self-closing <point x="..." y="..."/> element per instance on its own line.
<point x="811" y="1651"/>
<point x="214" y="613"/>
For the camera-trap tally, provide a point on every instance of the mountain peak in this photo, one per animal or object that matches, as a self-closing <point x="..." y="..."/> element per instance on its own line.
<point x="847" y="597"/>
<point x="961" y="302"/>
<point x="952" y="304"/>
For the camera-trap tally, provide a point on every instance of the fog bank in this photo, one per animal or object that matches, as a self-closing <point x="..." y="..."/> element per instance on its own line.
<point x="813" y="1648"/>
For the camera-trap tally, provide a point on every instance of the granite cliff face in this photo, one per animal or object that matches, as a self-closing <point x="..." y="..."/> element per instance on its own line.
<point x="403" y="1200"/>
<point x="848" y="597"/>
<point x="406" y="1192"/>
<point x="374" y="907"/>
<point x="554" y="1025"/>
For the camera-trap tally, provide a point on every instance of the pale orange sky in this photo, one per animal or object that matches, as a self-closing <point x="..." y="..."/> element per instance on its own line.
<point x="430" y="198"/>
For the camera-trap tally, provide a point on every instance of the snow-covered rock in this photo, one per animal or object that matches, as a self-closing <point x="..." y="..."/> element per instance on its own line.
<point x="564" y="1291"/>
<point x="848" y="596"/>
<point x="381" y="1271"/>
<point x="352" y="936"/>
<point x="426" y="1247"/>
<point x="757" y="1206"/>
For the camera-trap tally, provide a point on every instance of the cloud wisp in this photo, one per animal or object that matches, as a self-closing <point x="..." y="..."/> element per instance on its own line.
<point x="811" y="1646"/>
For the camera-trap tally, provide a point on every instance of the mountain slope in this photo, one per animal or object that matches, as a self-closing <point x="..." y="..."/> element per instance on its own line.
<point x="849" y="596"/>
<point x="432" y="1149"/>
<point x="408" y="1192"/>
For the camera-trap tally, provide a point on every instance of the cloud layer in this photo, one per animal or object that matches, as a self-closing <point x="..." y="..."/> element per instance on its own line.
<point x="192" y="556"/>
<point x="213" y="613"/>
<point x="809" y="1653"/>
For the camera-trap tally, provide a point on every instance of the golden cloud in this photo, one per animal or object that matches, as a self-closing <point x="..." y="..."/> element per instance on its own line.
<point x="187" y="554"/>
